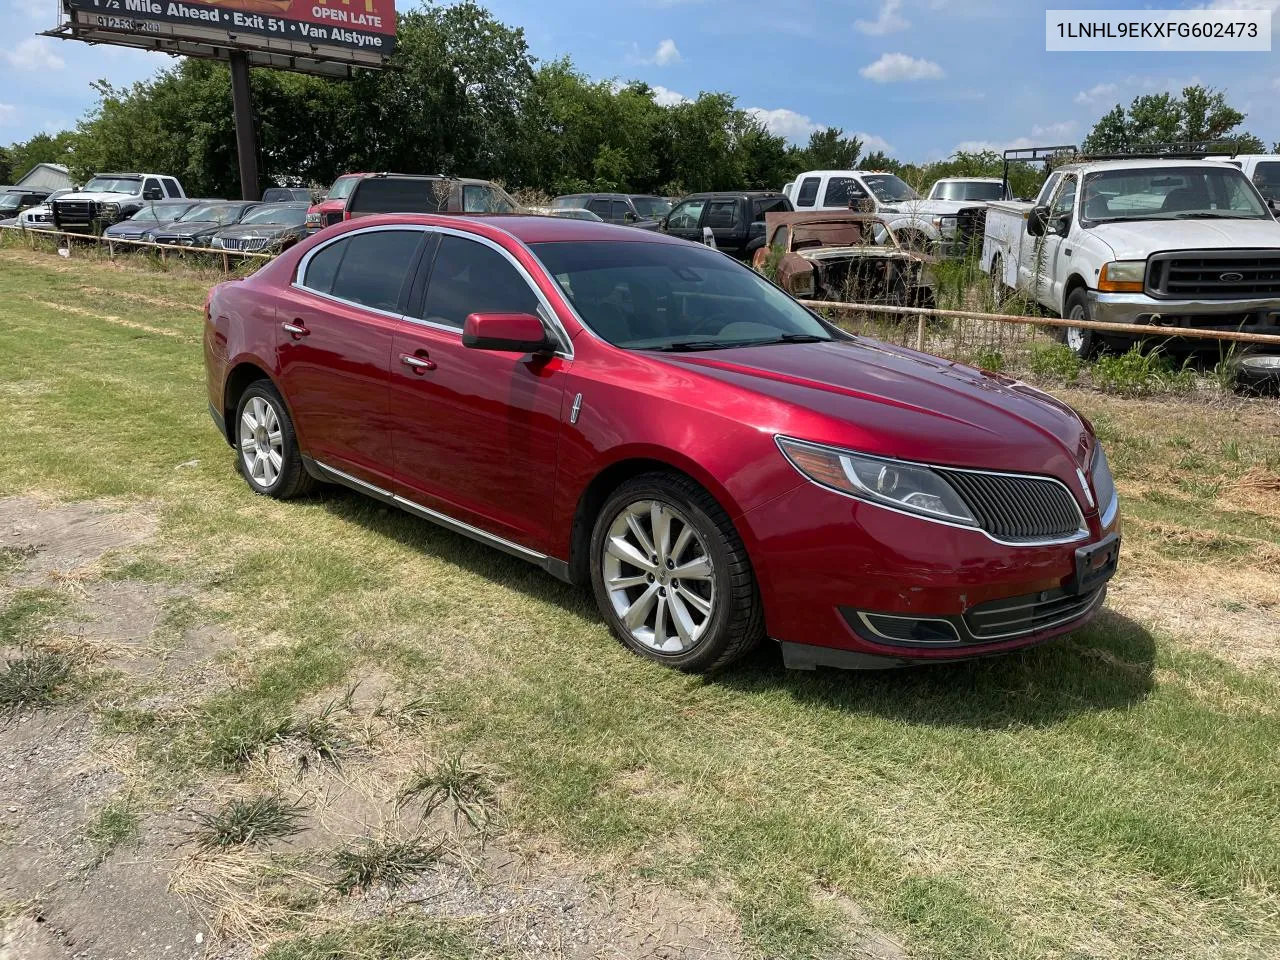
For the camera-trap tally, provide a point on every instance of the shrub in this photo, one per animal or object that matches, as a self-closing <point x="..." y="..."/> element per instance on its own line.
<point x="1056" y="362"/>
<point x="1135" y="372"/>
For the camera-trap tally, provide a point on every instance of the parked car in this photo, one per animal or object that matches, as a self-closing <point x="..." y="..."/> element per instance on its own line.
<point x="148" y="219"/>
<point x="646" y="416"/>
<point x="272" y="226"/>
<point x="1141" y="241"/>
<point x="843" y="256"/>
<point x="918" y="223"/>
<point x="329" y="210"/>
<point x="197" y="226"/>
<point x="572" y="213"/>
<point x="735" y="219"/>
<point x="40" y="217"/>
<point x="287" y="195"/>
<point x="111" y="197"/>
<point x="425" y="193"/>
<point x="968" y="189"/>
<point x="16" y="200"/>
<point x="633" y="209"/>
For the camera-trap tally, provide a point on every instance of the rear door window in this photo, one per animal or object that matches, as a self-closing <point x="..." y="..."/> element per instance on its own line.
<point x="371" y="270"/>
<point x="171" y="186"/>
<point x="600" y="207"/>
<point x="808" y="191"/>
<point x="760" y="207"/>
<point x="722" y="214"/>
<point x="618" y="211"/>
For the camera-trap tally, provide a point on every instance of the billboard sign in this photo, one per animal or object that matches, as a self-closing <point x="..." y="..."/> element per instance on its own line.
<point x="274" y="32"/>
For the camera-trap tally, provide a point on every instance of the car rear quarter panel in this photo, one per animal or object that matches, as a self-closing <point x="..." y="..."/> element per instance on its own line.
<point x="240" y="328"/>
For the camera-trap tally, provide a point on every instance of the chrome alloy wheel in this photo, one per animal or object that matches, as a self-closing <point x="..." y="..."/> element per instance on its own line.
<point x="261" y="442"/>
<point x="659" y="576"/>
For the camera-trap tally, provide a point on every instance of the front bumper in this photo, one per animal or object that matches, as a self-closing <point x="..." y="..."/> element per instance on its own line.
<point x="823" y="559"/>
<point x="1251" y="316"/>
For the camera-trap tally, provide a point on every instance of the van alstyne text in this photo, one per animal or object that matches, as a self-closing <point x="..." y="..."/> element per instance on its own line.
<point x="1149" y="30"/>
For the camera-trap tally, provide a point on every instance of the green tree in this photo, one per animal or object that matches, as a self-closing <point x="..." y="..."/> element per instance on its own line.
<point x="830" y="149"/>
<point x="1199" y="115"/>
<point x="42" y="148"/>
<point x="6" y="167"/>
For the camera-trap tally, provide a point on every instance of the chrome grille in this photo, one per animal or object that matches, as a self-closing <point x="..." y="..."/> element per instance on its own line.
<point x="1031" y="613"/>
<point x="1214" y="274"/>
<point x="239" y="243"/>
<point x="1016" y="508"/>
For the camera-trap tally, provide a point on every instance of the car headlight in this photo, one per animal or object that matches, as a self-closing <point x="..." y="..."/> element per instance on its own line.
<point x="891" y="483"/>
<point x="314" y="220"/>
<point x="1122" y="276"/>
<point x="110" y="209"/>
<point x="1104" y="485"/>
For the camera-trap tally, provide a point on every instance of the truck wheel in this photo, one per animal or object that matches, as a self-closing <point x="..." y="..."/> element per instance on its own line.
<point x="997" y="282"/>
<point x="1083" y="342"/>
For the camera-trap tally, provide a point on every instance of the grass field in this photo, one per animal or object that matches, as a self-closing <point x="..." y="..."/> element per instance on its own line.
<point x="1113" y="795"/>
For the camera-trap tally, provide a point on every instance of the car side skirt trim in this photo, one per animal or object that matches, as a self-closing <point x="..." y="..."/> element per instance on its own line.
<point x="557" y="568"/>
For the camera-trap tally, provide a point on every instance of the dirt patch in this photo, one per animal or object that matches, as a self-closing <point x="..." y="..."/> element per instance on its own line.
<point x="62" y="542"/>
<point x="134" y="297"/>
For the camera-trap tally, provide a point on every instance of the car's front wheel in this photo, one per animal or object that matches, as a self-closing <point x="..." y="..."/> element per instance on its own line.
<point x="267" y="446"/>
<point x="1083" y="342"/>
<point x="671" y="575"/>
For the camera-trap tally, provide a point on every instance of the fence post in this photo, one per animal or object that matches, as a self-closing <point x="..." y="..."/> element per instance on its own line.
<point x="226" y="264"/>
<point x="920" y="333"/>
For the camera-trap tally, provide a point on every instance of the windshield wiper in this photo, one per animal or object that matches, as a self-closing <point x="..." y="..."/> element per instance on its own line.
<point x="1212" y="215"/>
<point x="689" y="346"/>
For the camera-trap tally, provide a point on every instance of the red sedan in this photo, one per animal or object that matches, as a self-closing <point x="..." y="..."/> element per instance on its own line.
<point x="647" y="416"/>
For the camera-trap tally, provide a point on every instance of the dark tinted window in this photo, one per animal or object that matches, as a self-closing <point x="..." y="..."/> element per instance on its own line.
<point x="808" y="191"/>
<point x="151" y="189"/>
<point x="1266" y="177"/>
<point x="760" y="207"/>
<point x="840" y="190"/>
<point x="324" y="266"/>
<point x="171" y="185"/>
<point x="600" y="207"/>
<point x="618" y="211"/>
<point x="370" y="269"/>
<point x="399" y="195"/>
<point x="469" y="277"/>
<point x="722" y="214"/>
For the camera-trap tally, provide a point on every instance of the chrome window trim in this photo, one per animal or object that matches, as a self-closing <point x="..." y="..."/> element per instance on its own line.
<point x="546" y="313"/>
<point x="435" y="516"/>
<point x="1082" y="533"/>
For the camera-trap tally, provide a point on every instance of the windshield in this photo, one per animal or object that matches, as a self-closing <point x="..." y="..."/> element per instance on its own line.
<point x="222" y="213"/>
<point x="342" y="188"/>
<point x="286" y="216"/>
<point x="113" y="185"/>
<point x="665" y="296"/>
<point x="1170" y="193"/>
<point x="889" y="188"/>
<point x="967" y="190"/>
<point x="158" y="212"/>
<point x="10" y="201"/>
<point x="653" y="208"/>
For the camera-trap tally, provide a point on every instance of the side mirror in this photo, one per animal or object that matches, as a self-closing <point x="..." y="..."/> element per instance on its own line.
<point x="1060" y="226"/>
<point x="630" y="217"/>
<point x="665" y="222"/>
<point x="1037" y="221"/>
<point x="509" y="332"/>
<point x="1275" y="206"/>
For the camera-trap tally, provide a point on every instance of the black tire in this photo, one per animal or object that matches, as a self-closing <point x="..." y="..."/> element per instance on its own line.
<point x="997" y="283"/>
<point x="290" y="479"/>
<point x="1084" y="343"/>
<point x="1258" y="375"/>
<point x="736" y="622"/>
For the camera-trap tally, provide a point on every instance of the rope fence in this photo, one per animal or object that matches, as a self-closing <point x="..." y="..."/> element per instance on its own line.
<point x="66" y="241"/>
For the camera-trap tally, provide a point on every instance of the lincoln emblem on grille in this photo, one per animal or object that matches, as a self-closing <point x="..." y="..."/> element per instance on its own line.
<point x="1230" y="277"/>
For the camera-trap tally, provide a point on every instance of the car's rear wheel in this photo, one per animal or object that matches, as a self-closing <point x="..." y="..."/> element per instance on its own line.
<point x="671" y="576"/>
<point x="266" y="445"/>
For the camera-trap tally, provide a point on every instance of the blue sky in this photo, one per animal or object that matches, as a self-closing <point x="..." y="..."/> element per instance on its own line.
<point x="918" y="78"/>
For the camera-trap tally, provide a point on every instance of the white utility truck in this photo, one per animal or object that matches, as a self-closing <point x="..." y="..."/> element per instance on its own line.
<point x="1166" y="242"/>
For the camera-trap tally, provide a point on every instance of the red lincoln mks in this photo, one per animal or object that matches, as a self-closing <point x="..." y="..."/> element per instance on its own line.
<point x="645" y="415"/>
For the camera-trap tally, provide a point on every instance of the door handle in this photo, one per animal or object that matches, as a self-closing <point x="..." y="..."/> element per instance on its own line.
<point x="296" y="330"/>
<point x="418" y="364"/>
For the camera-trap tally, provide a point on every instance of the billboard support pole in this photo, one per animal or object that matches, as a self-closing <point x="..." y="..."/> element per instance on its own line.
<point x="246" y="135"/>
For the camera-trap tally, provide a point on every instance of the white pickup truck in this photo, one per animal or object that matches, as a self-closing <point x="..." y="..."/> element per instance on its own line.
<point x="1182" y="243"/>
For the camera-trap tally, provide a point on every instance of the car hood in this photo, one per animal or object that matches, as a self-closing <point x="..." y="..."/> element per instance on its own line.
<point x="101" y="197"/>
<point x="264" y="231"/>
<point x="1138" y="239"/>
<point x="895" y="402"/>
<point x="188" y="228"/>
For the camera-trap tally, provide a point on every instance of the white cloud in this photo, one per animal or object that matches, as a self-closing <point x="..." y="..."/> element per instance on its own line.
<point x="784" y="123"/>
<point x="995" y="146"/>
<point x="896" y="67"/>
<point x="1064" y="129"/>
<point x="33" y="54"/>
<point x="666" y="54"/>
<point x="871" y="143"/>
<point x="664" y="97"/>
<point x="1096" y="93"/>
<point x="7" y="112"/>
<point x="1272" y="5"/>
<point x="889" y="21"/>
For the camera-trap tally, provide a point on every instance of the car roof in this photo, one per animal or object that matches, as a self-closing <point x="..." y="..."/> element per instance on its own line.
<point x="1145" y="163"/>
<point x="748" y="194"/>
<point x="969" y="180"/>
<point x="526" y="228"/>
